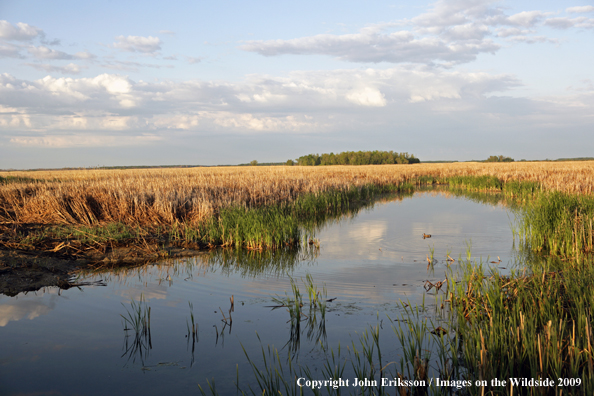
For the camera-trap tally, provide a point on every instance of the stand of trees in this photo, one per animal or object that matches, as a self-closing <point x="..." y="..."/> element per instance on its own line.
<point x="357" y="158"/>
<point x="499" y="158"/>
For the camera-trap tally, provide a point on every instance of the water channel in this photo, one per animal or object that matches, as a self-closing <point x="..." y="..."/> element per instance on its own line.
<point x="74" y="342"/>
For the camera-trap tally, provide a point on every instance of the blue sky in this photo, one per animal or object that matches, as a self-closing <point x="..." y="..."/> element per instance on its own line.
<point x="185" y="82"/>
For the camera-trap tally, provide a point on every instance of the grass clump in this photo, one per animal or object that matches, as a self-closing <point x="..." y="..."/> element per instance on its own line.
<point x="521" y="189"/>
<point x="558" y="224"/>
<point x="138" y="321"/>
<point x="532" y="324"/>
<point x="476" y="183"/>
<point x="18" y="179"/>
<point x="279" y="225"/>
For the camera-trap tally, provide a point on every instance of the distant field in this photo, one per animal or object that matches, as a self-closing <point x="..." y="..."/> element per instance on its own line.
<point x="149" y="197"/>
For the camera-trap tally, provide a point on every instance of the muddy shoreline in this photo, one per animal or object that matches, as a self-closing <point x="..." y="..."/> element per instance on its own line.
<point x="31" y="270"/>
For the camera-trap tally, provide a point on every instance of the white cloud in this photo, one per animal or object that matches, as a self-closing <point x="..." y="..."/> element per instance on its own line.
<point x="148" y="44"/>
<point x="83" y="140"/>
<point x="509" y="32"/>
<point x="452" y="12"/>
<point x="526" y="18"/>
<point x="566" y="23"/>
<point x="70" y="68"/>
<point x="15" y="310"/>
<point x="580" y="9"/>
<point x="131" y="66"/>
<point x="367" y="97"/>
<point x="469" y="31"/>
<point x="84" y="55"/>
<point x="20" y="31"/>
<point x="43" y="52"/>
<point x="451" y="32"/>
<point x="533" y="39"/>
<point x="396" y="47"/>
<point x="260" y="103"/>
<point x="9" y="51"/>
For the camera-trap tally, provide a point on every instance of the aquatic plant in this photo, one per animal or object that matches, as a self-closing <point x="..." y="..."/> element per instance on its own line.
<point x="138" y="320"/>
<point x="558" y="223"/>
<point x="315" y="326"/>
<point x="531" y="324"/>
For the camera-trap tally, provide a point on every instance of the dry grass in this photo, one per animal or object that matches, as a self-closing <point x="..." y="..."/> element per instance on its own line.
<point x="150" y="197"/>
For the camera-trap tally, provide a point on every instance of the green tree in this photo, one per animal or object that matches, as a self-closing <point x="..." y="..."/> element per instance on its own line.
<point x="499" y="158"/>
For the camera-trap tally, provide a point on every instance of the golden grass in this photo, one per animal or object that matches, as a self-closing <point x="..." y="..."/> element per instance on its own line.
<point x="150" y="197"/>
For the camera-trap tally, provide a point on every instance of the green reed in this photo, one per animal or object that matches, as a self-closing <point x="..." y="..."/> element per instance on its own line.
<point x="535" y="323"/>
<point x="557" y="223"/>
<point x="475" y="183"/>
<point x="137" y="319"/>
<point x="279" y="225"/>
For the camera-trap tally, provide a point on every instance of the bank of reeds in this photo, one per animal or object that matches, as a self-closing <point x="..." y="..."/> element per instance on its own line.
<point x="535" y="324"/>
<point x="250" y="207"/>
<point x="558" y="224"/>
<point x="164" y="196"/>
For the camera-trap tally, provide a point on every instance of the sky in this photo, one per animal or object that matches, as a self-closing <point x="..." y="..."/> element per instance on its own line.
<point x="85" y="84"/>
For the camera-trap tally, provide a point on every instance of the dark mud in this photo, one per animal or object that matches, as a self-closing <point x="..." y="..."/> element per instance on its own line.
<point x="29" y="271"/>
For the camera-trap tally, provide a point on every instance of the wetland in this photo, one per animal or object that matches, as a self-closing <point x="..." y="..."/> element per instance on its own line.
<point x="366" y="263"/>
<point x="183" y="282"/>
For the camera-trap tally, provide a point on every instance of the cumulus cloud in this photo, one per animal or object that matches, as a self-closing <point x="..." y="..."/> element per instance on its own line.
<point x="64" y="95"/>
<point x="148" y="44"/>
<point x="451" y="32"/>
<point x="258" y="104"/>
<point x="112" y="110"/>
<point x="20" y="31"/>
<point x="367" y="97"/>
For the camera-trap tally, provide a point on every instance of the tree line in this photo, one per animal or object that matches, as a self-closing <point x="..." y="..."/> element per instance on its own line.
<point x="356" y="158"/>
<point x="499" y="158"/>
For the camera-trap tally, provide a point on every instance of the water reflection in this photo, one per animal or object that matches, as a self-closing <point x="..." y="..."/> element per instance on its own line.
<point x="30" y="308"/>
<point x="204" y="310"/>
<point x="137" y="320"/>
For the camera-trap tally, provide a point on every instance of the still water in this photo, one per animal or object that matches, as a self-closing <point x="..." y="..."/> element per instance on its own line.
<point x="74" y="342"/>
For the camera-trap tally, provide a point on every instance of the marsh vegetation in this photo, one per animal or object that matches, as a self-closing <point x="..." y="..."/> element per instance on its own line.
<point x="533" y="322"/>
